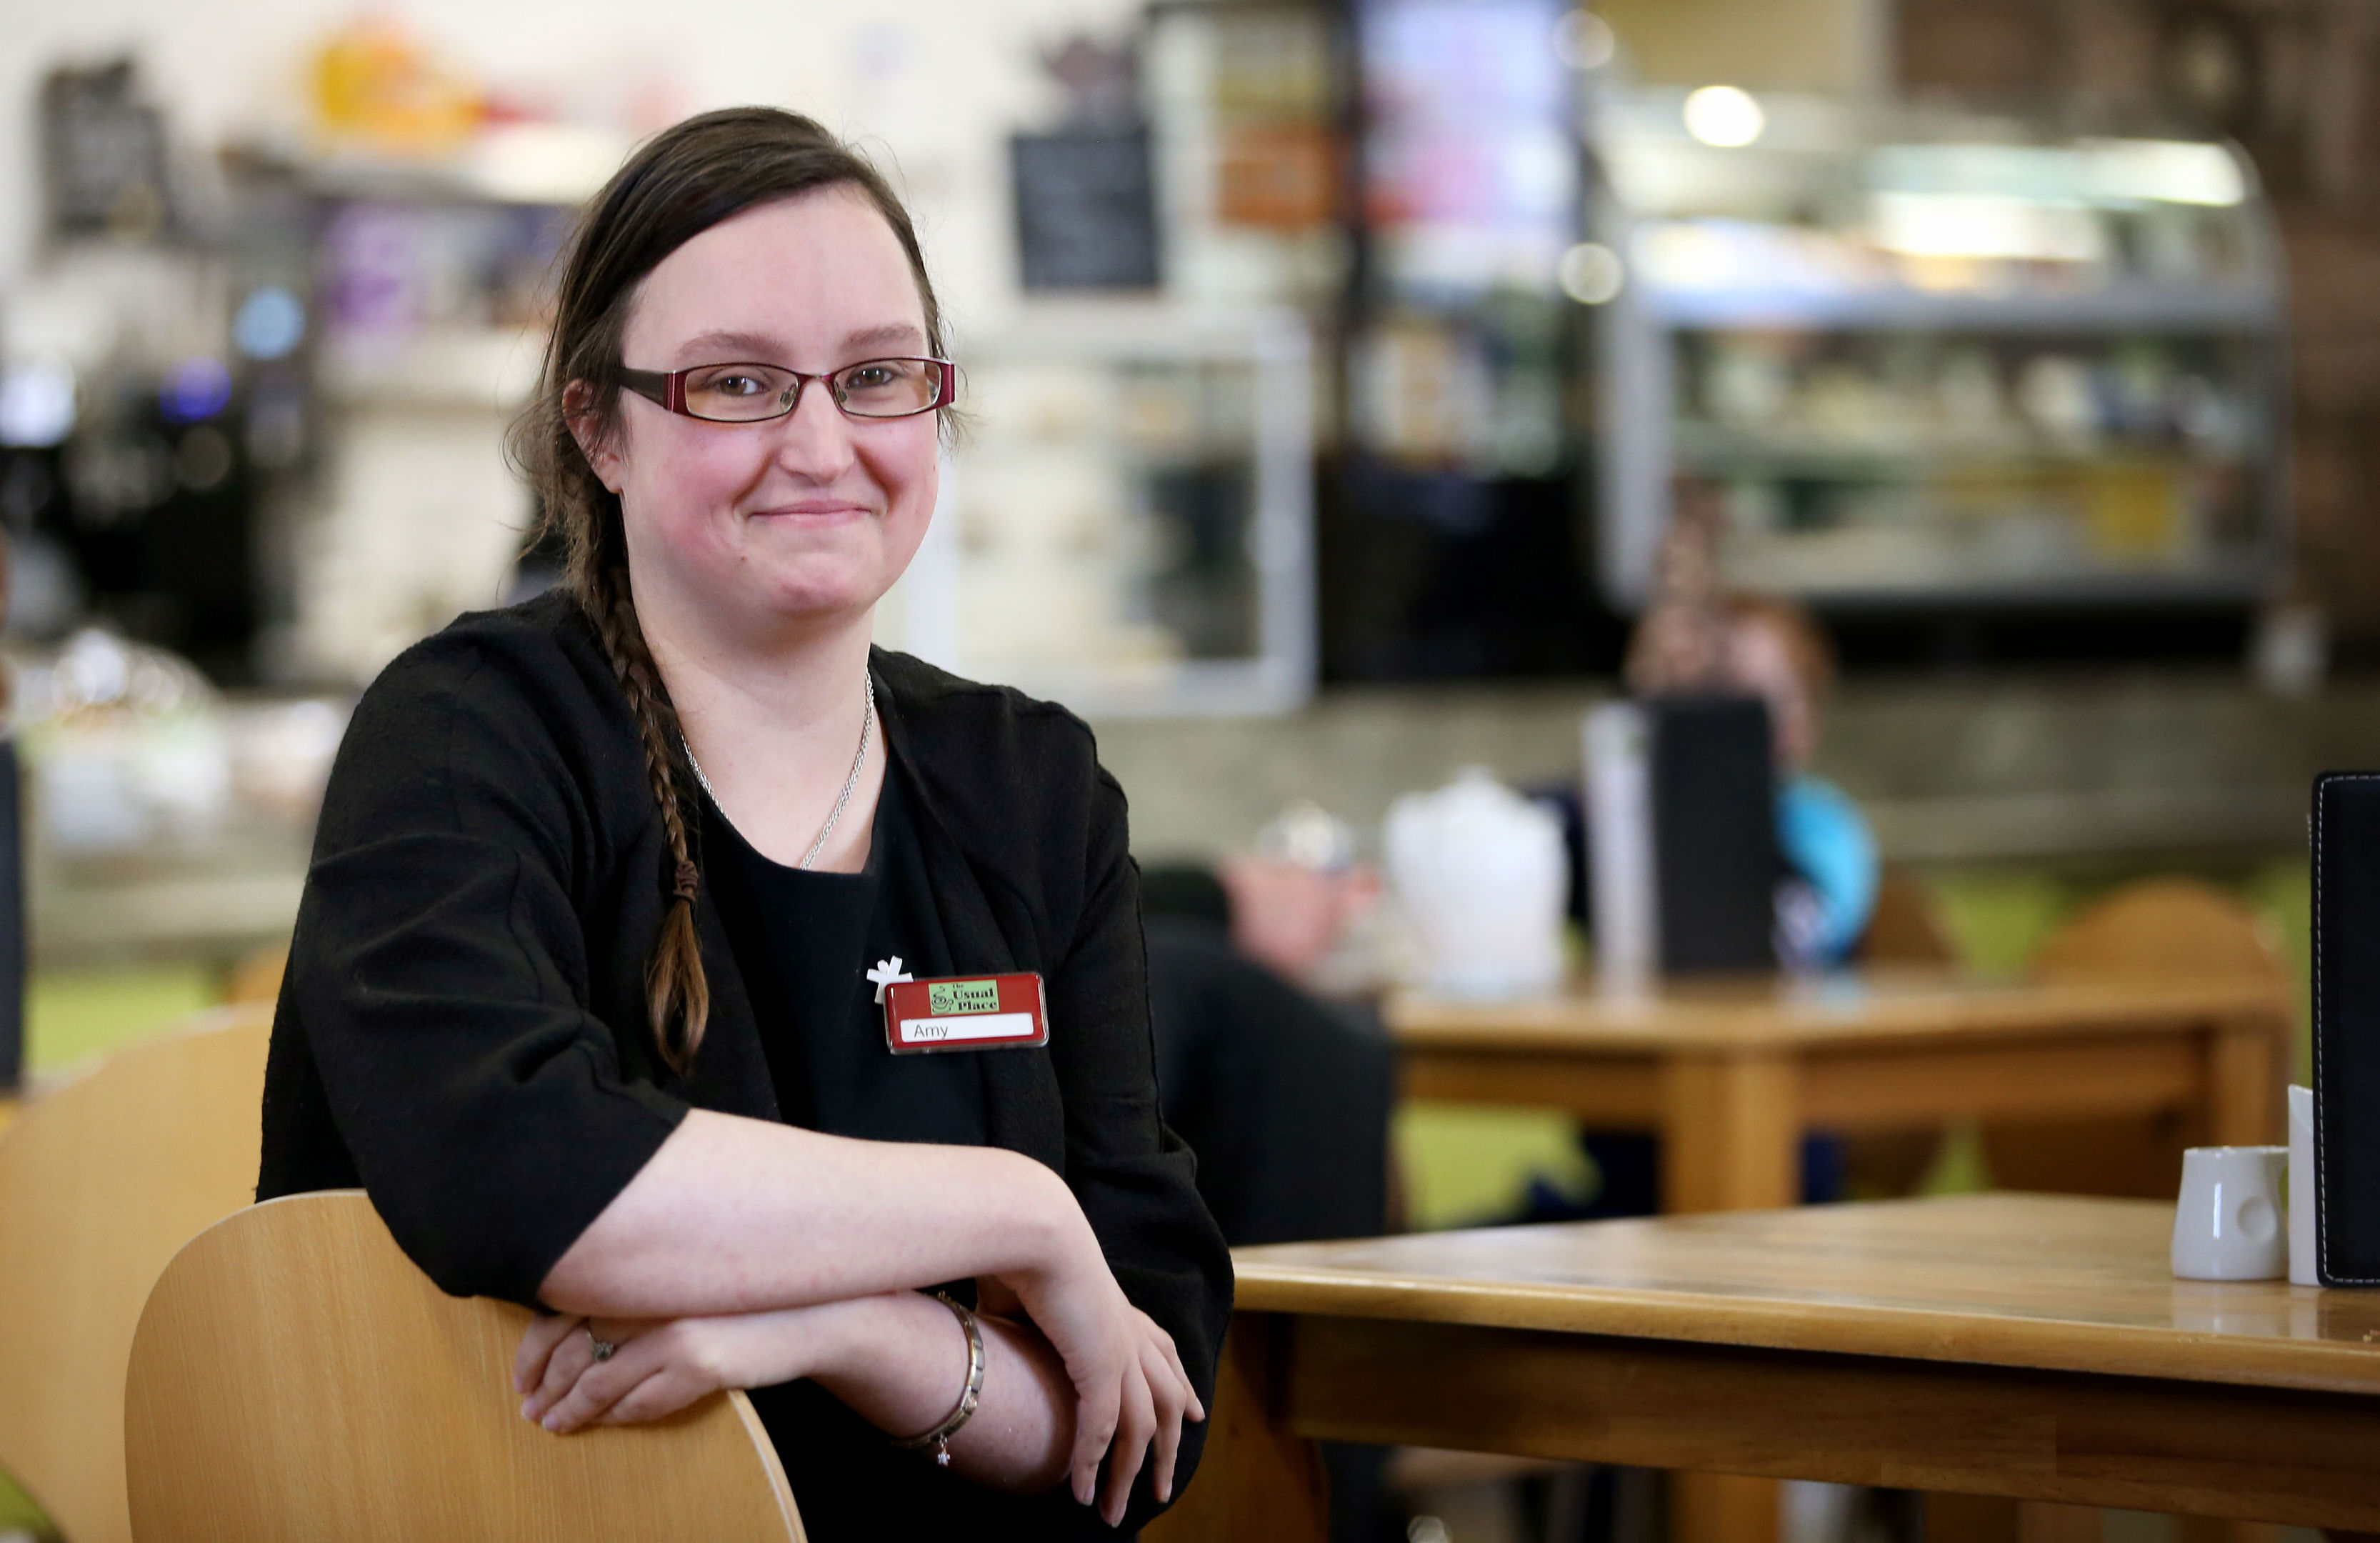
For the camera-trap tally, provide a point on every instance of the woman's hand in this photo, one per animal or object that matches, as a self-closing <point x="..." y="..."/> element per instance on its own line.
<point x="1131" y="1392"/>
<point x="660" y="1367"/>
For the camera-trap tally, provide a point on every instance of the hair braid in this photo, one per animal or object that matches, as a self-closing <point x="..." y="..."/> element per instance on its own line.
<point x="677" y="993"/>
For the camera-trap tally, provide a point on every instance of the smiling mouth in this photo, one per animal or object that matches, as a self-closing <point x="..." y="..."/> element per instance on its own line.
<point x="813" y="513"/>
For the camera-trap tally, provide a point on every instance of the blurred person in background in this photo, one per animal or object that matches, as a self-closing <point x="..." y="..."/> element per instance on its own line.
<point x="1284" y="1092"/>
<point x="1697" y="639"/>
<point x="580" y="992"/>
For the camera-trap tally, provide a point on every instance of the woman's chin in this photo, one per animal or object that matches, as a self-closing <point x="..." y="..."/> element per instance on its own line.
<point x="821" y="597"/>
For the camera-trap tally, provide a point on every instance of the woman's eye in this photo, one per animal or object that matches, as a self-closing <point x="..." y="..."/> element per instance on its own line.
<point x="871" y="377"/>
<point x="736" y="386"/>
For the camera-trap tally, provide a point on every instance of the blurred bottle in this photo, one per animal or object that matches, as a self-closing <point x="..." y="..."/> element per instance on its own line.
<point x="377" y="89"/>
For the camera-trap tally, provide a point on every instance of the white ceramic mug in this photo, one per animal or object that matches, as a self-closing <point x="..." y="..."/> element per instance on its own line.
<point x="2228" y="1225"/>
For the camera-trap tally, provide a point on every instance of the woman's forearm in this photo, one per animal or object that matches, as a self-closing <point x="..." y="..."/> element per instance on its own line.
<point x="734" y="1215"/>
<point x="900" y="1363"/>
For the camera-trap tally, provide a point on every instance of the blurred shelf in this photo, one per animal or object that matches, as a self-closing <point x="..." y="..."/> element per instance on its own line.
<point x="2216" y="308"/>
<point x="219" y="916"/>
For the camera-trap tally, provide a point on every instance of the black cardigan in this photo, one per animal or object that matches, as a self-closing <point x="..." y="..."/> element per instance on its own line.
<point x="462" y="1030"/>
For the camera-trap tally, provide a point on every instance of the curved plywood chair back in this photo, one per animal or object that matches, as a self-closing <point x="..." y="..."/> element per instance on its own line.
<point x="2172" y="929"/>
<point x="296" y="1377"/>
<point x="1905" y="928"/>
<point x="101" y="1180"/>
<point x="2162" y="927"/>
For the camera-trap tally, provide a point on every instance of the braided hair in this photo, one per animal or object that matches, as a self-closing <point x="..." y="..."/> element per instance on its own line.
<point x="677" y="185"/>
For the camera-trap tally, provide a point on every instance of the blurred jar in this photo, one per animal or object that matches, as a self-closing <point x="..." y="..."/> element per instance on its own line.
<point x="127" y="746"/>
<point x="1481" y="876"/>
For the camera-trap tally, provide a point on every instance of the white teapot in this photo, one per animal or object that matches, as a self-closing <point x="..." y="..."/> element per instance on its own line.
<point x="1481" y="874"/>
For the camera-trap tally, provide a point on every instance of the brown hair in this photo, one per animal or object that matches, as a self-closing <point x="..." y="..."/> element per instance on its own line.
<point x="677" y="185"/>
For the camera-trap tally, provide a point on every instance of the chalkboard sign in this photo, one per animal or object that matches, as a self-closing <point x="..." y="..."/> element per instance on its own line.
<point x="103" y="154"/>
<point x="1086" y="211"/>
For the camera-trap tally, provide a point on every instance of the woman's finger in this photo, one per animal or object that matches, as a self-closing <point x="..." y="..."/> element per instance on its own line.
<point x="1174" y="1358"/>
<point x="544" y="1333"/>
<point x="564" y="1370"/>
<point x="666" y="1392"/>
<point x="601" y="1386"/>
<point x="1168" y="1438"/>
<point x="1135" y="1425"/>
<point x="1095" y="1425"/>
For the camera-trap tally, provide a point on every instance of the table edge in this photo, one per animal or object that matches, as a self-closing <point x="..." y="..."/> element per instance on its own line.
<point x="2045" y="1344"/>
<point x="1421" y="1022"/>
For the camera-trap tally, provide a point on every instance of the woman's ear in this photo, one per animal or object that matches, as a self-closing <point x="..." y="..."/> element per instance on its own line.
<point x="579" y="411"/>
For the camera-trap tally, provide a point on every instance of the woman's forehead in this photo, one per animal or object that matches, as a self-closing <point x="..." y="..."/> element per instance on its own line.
<point x="819" y="271"/>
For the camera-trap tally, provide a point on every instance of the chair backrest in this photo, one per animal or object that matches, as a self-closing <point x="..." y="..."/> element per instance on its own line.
<point x="2172" y="929"/>
<point x="101" y="1180"/>
<point x="2162" y="927"/>
<point x="296" y="1377"/>
<point x="1905" y="928"/>
<point x="256" y="975"/>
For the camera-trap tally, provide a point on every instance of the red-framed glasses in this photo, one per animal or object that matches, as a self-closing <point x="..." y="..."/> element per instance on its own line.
<point x="756" y="392"/>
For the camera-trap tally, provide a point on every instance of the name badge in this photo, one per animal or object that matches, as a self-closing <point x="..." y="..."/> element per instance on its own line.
<point x="965" y="1012"/>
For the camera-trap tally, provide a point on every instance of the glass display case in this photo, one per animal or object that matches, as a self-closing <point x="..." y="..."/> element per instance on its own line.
<point x="1125" y="515"/>
<point x="1904" y="356"/>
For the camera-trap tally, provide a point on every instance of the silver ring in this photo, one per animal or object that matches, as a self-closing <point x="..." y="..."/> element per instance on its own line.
<point x="604" y="1349"/>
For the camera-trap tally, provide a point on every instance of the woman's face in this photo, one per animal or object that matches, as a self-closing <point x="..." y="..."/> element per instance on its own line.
<point x="805" y="518"/>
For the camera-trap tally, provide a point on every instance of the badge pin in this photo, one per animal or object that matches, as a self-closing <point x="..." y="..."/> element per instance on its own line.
<point x="887" y="972"/>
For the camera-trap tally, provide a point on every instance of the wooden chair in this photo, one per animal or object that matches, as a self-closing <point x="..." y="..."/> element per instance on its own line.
<point x="296" y="1377"/>
<point x="1905" y="928"/>
<point x="101" y="1180"/>
<point x="1905" y="932"/>
<point x="2169" y="928"/>
<point x="256" y="975"/>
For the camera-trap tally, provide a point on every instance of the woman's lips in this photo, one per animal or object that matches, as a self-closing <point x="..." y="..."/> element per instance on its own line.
<point x="817" y="511"/>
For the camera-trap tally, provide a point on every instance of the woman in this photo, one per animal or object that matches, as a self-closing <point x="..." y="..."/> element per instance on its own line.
<point x="584" y="987"/>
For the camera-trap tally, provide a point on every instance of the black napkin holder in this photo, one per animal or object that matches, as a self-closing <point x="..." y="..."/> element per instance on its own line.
<point x="2345" y="837"/>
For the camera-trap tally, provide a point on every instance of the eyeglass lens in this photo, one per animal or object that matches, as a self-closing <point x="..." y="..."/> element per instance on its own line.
<point x="876" y="388"/>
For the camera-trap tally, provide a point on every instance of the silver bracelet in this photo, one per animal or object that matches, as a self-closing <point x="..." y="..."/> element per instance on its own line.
<point x="972" y="1394"/>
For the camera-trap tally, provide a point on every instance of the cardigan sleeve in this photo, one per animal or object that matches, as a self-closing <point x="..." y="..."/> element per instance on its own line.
<point x="439" y="976"/>
<point x="1135" y="1179"/>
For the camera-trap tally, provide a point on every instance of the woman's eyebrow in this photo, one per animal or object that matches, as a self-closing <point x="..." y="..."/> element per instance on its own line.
<point x="898" y="332"/>
<point x="713" y="348"/>
<point x="728" y="346"/>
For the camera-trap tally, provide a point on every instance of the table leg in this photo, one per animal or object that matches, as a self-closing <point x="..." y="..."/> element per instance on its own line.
<point x="2218" y="1529"/>
<point x="1722" y="1508"/>
<point x="2047" y="1522"/>
<point x="2244" y="1078"/>
<point x="1731" y="1134"/>
<point x="1256" y="1478"/>
<point x="1731" y="1140"/>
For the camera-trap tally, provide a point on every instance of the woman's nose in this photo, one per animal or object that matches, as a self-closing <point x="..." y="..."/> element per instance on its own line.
<point x="814" y="439"/>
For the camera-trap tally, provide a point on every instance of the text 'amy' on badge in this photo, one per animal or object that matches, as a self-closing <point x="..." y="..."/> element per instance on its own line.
<point x="965" y="1012"/>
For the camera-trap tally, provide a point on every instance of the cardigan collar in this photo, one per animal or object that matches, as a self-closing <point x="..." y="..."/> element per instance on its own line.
<point x="1023" y="1111"/>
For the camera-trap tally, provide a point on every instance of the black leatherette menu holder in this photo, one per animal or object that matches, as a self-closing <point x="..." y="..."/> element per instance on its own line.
<point x="2346" y="840"/>
<point x="1714" y="832"/>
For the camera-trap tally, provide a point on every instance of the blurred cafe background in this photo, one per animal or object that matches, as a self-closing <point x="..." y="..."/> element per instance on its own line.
<point x="1353" y="388"/>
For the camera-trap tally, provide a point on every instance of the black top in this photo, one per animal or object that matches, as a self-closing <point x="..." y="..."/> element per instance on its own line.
<point x="461" y="1029"/>
<point x="805" y="942"/>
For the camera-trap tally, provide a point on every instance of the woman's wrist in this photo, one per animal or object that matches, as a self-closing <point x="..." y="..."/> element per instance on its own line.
<point x="1055" y="1240"/>
<point x="844" y="1339"/>
<point x="899" y="1360"/>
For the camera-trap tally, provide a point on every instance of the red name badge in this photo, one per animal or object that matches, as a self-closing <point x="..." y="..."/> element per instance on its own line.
<point x="965" y="1012"/>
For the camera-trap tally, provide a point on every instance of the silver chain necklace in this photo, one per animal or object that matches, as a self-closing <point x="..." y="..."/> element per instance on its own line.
<point x="850" y="784"/>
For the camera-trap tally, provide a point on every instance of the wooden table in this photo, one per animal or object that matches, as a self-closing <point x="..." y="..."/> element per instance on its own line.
<point x="1732" y="1073"/>
<point x="2032" y="1347"/>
